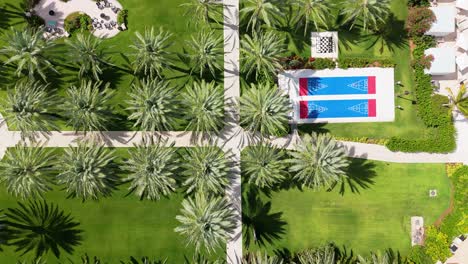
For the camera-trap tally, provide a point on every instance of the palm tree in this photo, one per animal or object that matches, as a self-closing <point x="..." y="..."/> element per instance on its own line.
<point x="264" y="109"/>
<point x="206" y="170"/>
<point x="370" y="13"/>
<point x="27" y="107"/>
<point x="313" y="11"/>
<point x="42" y="227"/>
<point x="85" y="171"/>
<point x="262" y="258"/>
<point x="151" y="55"/>
<point x="25" y="171"/>
<point x="86" y="51"/>
<point x="206" y="221"/>
<point x="154" y="105"/>
<point x="203" y="10"/>
<point x="264" y="165"/>
<point x="27" y="49"/>
<point x="459" y="101"/>
<point x="86" y="106"/>
<point x="325" y="254"/>
<point x="203" y="103"/>
<point x="261" y="54"/>
<point x="206" y="51"/>
<point x="4" y="232"/>
<point x="152" y="170"/>
<point x="319" y="161"/>
<point x="260" y="11"/>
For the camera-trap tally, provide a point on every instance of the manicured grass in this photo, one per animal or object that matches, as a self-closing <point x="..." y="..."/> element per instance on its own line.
<point x="117" y="227"/>
<point x="143" y="14"/>
<point x="376" y="218"/>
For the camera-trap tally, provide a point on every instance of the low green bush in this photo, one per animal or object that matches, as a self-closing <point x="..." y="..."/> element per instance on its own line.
<point x="419" y="21"/>
<point x="295" y="62"/>
<point x="436" y="244"/>
<point x="76" y="21"/>
<point x="361" y="62"/>
<point x="456" y="223"/>
<point x="122" y="17"/>
<point x="417" y="255"/>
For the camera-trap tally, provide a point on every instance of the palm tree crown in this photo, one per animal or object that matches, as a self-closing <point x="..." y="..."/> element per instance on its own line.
<point x="204" y="106"/>
<point x="264" y="165"/>
<point x="86" y="106"/>
<point x="206" y="221"/>
<point x="325" y="254"/>
<point x="27" y="108"/>
<point x="25" y="170"/>
<point x="315" y="11"/>
<point x="85" y="171"/>
<point x="260" y="54"/>
<point x="151" y="170"/>
<point x="151" y="55"/>
<point x="260" y="11"/>
<point x="27" y="49"/>
<point x="203" y="10"/>
<point x="262" y="258"/>
<point x="205" y="170"/>
<point x="319" y="161"/>
<point x="87" y="53"/>
<point x="206" y="53"/>
<point x="154" y="105"/>
<point x="264" y="109"/>
<point x="460" y="100"/>
<point x="368" y="12"/>
<point x="42" y="227"/>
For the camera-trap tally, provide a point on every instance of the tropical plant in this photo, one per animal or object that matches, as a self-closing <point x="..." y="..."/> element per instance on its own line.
<point x="27" y="107"/>
<point x="42" y="227"/>
<point x="27" y="49"/>
<point x="320" y="255"/>
<point x="86" y="106"/>
<point x="144" y="260"/>
<point x="368" y="13"/>
<point x="4" y="233"/>
<point x="153" y="105"/>
<point x="86" y="51"/>
<point x="206" y="170"/>
<point x="152" y="168"/>
<point x="460" y="100"/>
<point x="202" y="259"/>
<point x="204" y="104"/>
<point x="436" y="244"/>
<point x="206" y="51"/>
<point x="261" y="54"/>
<point x="201" y="11"/>
<point x="85" y="171"/>
<point x="261" y="258"/>
<point x="88" y="260"/>
<point x="25" y="171"/>
<point x="318" y="161"/>
<point x="378" y="258"/>
<point x="264" y="109"/>
<point x="316" y="12"/>
<point x="206" y="221"/>
<point x="151" y="55"/>
<point x="264" y="165"/>
<point x="260" y="11"/>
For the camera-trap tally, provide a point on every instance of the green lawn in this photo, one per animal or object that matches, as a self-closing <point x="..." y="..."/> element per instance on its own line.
<point x="374" y="219"/>
<point x="119" y="226"/>
<point x="165" y="14"/>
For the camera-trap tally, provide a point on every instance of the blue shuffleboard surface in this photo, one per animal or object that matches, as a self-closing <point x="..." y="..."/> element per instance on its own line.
<point x="336" y="85"/>
<point x="337" y="108"/>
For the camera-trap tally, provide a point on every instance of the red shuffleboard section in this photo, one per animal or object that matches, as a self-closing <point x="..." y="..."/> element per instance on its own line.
<point x="372" y="108"/>
<point x="303" y="86"/>
<point x="371" y="85"/>
<point x="303" y="109"/>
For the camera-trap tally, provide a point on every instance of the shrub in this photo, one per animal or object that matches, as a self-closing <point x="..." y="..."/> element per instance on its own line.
<point x="360" y="62"/>
<point x="436" y="244"/>
<point x="122" y="17"/>
<point x="419" y="21"/>
<point x="320" y="64"/>
<point x="76" y="21"/>
<point x="457" y="222"/>
<point x="417" y="255"/>
<point x="35" y="21"/>
<point x="295" y="62"/>
<point x="418" y="3"/>
<point x="423" y="61"/>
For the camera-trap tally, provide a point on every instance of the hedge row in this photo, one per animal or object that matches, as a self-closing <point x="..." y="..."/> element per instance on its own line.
<point x="435" y="116"/>
<point x="360" y="62"/>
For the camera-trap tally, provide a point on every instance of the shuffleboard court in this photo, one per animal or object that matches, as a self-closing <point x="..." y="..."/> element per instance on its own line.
<point x="338" y="108"/>
<point x="337" y="85"/>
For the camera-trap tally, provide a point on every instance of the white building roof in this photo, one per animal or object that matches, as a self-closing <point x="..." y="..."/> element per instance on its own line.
<point x="444" y="61"/>
<point x="445" y="21"/>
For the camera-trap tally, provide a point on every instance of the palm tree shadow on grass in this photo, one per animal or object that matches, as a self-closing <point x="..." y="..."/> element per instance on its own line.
<point x="260" y="225"/>
<point x="391" y="34"/>
<point x="361" y="174"/>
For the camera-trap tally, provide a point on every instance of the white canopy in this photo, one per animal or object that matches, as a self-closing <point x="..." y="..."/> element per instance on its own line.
<point x="445" y="21"/>
<point x="462" y="40"/>
<point x="462" y="61"/>
<point x="462" y="4"/>
<point x="444" y="61"/>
